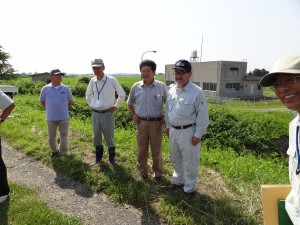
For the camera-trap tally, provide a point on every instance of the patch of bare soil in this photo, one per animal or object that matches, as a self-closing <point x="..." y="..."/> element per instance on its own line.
<point x="212" y="184"/>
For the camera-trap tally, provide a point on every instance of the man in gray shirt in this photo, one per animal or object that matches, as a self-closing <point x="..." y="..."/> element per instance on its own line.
<point x="145" y="104"/>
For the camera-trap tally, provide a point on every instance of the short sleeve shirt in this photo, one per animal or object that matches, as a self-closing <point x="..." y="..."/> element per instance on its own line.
<point x="56" y="101"/>
<point x="148" y="100"/>
<point x="5" y="101"/>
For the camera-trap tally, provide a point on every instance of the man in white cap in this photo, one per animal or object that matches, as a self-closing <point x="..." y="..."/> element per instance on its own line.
<point x="285" y="81"/>
<point x="100" y="96"/>
<point x="57" y="98"/>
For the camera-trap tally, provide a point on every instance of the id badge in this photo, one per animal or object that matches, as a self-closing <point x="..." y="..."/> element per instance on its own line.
<point x="296" y="183"/>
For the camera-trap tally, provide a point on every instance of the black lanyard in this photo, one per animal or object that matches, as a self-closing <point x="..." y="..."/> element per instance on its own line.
<point x="101" y="87"/>
<point x="297" y="148"/>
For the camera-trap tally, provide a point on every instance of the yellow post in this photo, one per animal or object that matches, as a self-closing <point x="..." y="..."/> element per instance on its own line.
<point x="271" y="194"/>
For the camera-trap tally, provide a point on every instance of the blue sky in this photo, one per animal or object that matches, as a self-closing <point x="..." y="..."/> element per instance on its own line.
<point x="65" y="34"/>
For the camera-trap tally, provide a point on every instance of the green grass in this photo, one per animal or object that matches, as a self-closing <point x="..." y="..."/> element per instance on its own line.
<point x="126" y="80"/>
<point x="24" y="207"/>
<point x="269" y="92"/>
<point x="130" y="80"/>
<point x="231" y="198"/>
<point x="267" y="105"/>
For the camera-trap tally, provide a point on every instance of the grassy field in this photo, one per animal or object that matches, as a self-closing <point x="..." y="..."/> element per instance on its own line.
<point x="126" y="80"/>
<point x="228" y="191"/>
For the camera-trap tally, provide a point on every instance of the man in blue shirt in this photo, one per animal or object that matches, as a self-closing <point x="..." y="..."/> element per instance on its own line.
<point x="57" y="98"/>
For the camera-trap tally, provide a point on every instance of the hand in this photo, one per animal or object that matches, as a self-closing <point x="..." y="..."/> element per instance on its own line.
<point x="162" y="121"/>
<point x="112" y="109"/>
<point x="136" y="119"/>
<point x="195" y="140"/>
<point x="167" y="131"/>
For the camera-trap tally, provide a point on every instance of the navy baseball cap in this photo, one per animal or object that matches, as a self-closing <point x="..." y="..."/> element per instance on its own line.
<point x="56" y="72"/>
<point x="183" y="64"/>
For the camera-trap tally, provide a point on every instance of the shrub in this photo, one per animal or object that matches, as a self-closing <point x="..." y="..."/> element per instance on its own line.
<point x="244" y="130"/>
<point x="79" y="89"/>
<point x="84" y="80"/>
<point x="126" y="89"/>
<point x="29" y="86"/>
<point x="123" y="118"/>
<point x="80" y="110"/>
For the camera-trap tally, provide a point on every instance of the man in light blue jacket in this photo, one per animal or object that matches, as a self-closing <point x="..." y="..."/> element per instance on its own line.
<point x="186" y="122"/>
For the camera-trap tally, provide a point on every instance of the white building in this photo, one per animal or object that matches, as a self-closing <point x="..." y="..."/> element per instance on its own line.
<point x="222" y="79"/>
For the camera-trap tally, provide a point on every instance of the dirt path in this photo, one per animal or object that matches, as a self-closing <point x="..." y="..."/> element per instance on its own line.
<point x="67" y="196"/>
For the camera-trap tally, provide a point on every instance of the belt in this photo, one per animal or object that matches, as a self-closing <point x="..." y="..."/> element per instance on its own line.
<point x="100" y="111"/>
<point x="183" y="127"/>
<point x="150" y="118"/>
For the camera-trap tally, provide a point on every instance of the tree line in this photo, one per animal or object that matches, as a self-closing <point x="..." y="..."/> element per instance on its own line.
<point x="8" y="72"/>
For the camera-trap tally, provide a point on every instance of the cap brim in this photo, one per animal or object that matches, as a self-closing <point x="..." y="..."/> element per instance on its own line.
<point x="58" y="73"/>
<point x="179" y="68"/>
<point x="268" y="79"/>
<point x="98" y="65"/>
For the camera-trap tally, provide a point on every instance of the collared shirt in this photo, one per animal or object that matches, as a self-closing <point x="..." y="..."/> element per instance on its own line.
<point x="187" y="106"/>
<point x="100" y="94"/>
<point x="56" y="101"/>
<point x="5" y="101"/>
<point x="148" y="99"/>
<point x="292" y="203"/>
<point x="293" y="158"/>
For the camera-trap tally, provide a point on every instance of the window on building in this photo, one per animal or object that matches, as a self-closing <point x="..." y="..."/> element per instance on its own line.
<point x="197" y="83"/>
<point x="258" y="87"/>
<point x="168" y="82"/>
<point x="233" y="86"/>
<point x="209" y="86"/>
<point x="234" y="69"/>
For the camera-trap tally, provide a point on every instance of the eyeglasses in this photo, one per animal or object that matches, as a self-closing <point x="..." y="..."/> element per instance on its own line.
<point x="181" y="73"/>
<point x="287" y="82"/>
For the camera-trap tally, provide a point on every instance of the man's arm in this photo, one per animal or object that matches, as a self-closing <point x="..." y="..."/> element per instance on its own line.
<point x="70" y="98"/>
<point x="6" y="112"/>
<point x="89" y="93"/>
<point x="70" y="103"/>
<point x="133" y="115"/>
<point x="202" y="118"/>
<point x="121" y="94"/>
<point x="43" y="103"/>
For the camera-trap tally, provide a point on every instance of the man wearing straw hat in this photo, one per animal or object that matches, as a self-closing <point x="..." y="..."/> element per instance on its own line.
<point x="285" y="81"/>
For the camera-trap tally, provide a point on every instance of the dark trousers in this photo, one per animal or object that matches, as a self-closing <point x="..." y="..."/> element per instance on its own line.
<point x="4" y="189"/>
